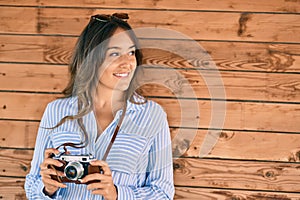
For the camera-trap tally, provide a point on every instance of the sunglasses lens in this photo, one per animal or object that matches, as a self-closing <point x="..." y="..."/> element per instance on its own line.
<point x="102" y="18"/>
<point x="106" y="18"/>
<point x="122" y="16"/>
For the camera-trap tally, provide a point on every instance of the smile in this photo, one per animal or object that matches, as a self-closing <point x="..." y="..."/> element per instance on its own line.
<point x="121" y="75"/>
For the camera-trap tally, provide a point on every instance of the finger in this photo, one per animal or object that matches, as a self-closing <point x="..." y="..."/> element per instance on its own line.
<point x="103" y="164"/>
<point x="50" y="151"/>
<point x="94" y="186"/>
<point x="99" y="192"/>
<point x="93" y="177"/>
<point x="50" y="161"/>
<point x="49" y="171"/>
<point x="50" y="182"/>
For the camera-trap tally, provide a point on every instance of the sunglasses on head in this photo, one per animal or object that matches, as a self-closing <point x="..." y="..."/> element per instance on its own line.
<point x="106" y="18"/>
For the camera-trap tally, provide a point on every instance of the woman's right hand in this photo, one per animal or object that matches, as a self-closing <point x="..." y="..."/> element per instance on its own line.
<point x="50" y="185"/>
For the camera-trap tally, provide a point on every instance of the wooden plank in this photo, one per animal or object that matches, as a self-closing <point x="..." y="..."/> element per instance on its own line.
<point x="237" y="174"/>
<point x="242" y="57"/>
<point x="36" y="49"/>
<point x="210" y="194"/>
<point x="12" y="188"/>
<point x="24" y="105"/>
<point x="18" y="134"/>
<point x="187" y="142"/>
<point x="182" y="83"/>
<point x="196" y="172"/>
<point x="210" y="84"/>
<point x="239" y="115"/>
<point x="212" y="55"/>
<point x="15" y="162"/>
<point x="191" y="193"/>
<point x="16" y="191"/>
<point x="236" y="145"/>
<point x="33" y="77"/>
<point x="197" y="25"/>
<point x="18" y="20"/>
<point x="16" y="3"/>
<point x="222" y="5"/>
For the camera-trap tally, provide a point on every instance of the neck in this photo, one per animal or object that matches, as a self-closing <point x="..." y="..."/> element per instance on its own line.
<point x="107" y="98"/>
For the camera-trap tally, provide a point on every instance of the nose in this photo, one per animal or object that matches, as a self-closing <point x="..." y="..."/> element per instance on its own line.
<point x="127" y="61"/>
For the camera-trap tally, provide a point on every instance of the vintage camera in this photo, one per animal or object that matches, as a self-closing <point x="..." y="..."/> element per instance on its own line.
<point x="75" y="167"/>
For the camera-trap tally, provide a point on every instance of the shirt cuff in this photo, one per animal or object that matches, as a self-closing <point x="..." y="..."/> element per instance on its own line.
<point x="56" y="196"/>
<point x="124" y="192"/>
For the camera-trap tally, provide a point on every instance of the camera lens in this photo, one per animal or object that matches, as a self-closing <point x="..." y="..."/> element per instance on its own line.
<point x="74" y="170"/>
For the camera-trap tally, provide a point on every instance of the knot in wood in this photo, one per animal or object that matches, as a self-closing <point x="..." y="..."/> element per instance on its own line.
<point x="24" y="168"/>
<point x="270" y="174"/>
<point x="176" y="166"/>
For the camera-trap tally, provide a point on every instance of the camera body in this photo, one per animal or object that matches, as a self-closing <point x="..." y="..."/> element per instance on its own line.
<point x="75" y="167"/>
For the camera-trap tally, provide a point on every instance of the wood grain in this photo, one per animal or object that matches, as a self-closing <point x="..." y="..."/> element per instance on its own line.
<point x="196" y="172"/>
<point x="33" y="77"/>
<point x="212" y="55"/>
<point x="237" y="174"/>
<point x="187" y="142"/>
<point x="15" y="162"/>
<point x="12" y="188"/>
<point x="197" y="25"/>
<point x="24" y="20"/>
<point x="253" y="44"/>
<point x="242" y="57"/>
<point x="23" y="105"/>
<point x="18" y="134"/>
<point x="236" y="145"/>
<point x="221" y="85"/>
<point x="223" y="5"/>
<point x="191" y="193"/>
<point x="165" y="82"/>
<point x="239" y="115"/>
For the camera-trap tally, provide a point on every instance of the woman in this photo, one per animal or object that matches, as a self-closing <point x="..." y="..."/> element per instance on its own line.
<point x="100" y="92"/>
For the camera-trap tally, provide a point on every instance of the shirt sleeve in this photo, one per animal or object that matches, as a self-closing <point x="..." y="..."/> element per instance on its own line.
<point x="33" y="183"/>
<point x="159" y="176"/>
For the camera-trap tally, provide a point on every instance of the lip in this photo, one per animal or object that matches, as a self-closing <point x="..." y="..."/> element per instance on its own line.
<point x="121" y="74"/>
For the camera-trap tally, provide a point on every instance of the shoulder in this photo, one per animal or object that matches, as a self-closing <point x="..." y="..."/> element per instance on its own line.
<point x="62" y="104"/>
<point x="148" y="108"/>
<point x="154" y="109"/>
<point x="149" y="114"/>
<point x="60" y="108"/>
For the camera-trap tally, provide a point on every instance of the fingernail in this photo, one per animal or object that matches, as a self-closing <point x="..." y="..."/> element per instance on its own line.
<point x="81" y="180"/>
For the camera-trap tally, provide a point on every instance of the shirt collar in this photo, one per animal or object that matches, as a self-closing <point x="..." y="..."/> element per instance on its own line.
<point x="131" y="106"/>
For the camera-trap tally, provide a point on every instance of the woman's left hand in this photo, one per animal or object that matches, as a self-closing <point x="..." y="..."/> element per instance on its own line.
<point x="105" y="186"/>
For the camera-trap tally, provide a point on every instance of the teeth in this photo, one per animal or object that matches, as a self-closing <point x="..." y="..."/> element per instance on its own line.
<point x="121" y="74"/>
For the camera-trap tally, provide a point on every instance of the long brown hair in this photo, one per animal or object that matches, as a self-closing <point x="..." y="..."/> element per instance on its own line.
<point x="88" y="55"/>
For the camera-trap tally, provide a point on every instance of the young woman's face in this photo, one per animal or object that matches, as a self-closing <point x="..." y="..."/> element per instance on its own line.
<point x="120" y="63"/>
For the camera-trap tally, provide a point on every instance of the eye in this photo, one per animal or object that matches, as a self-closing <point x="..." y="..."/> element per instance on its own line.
<point x="131" y="53"/>
<point x="114" y="54"/>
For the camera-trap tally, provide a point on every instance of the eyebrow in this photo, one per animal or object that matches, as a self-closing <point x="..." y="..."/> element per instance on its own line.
<point x="119" y="47"/>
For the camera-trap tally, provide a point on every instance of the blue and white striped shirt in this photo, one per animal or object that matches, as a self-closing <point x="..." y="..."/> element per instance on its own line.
<point x="140" y="158"/>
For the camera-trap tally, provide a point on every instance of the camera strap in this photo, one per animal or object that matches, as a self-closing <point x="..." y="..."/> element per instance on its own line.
<point x="115" y="133"/>
<point x="92" y="168"/>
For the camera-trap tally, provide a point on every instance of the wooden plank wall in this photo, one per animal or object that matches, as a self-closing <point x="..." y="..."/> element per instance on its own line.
<point x="255" y="46"/>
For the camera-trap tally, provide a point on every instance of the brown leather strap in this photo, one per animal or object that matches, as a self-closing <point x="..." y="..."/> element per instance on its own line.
<point x="115" y="133"/>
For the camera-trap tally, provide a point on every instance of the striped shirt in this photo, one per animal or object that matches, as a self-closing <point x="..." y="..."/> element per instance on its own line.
<point x="140" y="158"/>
